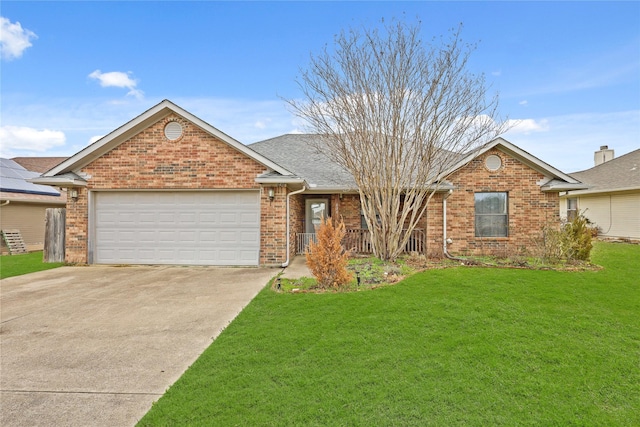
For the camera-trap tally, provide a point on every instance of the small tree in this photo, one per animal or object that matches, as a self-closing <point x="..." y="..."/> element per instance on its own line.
<point x="327" y="259"/>
<point x="397" y="113"/>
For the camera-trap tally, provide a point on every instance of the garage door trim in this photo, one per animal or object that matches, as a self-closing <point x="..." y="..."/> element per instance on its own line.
<point x="93" y="200"/>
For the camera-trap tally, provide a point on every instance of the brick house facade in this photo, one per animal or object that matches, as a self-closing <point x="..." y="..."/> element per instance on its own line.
<point x="273" y="181"/>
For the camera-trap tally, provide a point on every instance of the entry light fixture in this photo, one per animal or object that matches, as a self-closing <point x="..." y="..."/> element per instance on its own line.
<point x="271" y="194"/>
<point x="73" y="193"/>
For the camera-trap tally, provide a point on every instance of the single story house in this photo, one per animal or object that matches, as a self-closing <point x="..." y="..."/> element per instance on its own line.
<point x="169" y="188"/>
<point x="612" y="199"/>
<point x="23" y="204"/>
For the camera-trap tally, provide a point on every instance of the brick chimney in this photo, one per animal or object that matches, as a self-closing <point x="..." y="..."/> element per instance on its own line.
<point x="604" y="154"/>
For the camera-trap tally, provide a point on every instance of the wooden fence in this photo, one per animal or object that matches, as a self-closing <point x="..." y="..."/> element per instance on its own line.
<point x="55" y="219"/>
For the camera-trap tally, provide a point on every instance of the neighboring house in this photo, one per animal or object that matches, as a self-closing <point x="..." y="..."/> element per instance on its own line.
<point x="38" y="164"/>
<point x="169" y="188"/>
<point x="612" y="199"/>
<point x="23" y="204"/>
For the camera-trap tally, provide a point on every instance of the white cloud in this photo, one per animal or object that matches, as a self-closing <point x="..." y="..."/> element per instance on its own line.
<point x="14" y="39"/>
<point x="526" y="126"/>
<point x="118" y="79"/>
<point x="523" y="102"/>
<point x="496" y="73"/>
<point x="25" y="139"/>
<point x="568" y="142"/>
<point x="95" y="138"/>
<point x="261" y="124"/>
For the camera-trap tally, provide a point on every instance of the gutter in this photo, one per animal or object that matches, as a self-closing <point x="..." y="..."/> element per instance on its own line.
<point x="446" y="241"/>
<point x="286" y="263"/>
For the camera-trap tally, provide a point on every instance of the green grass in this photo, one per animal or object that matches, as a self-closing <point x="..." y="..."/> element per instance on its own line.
<point x="16" y="265"/>
<point x="459" y="346"/>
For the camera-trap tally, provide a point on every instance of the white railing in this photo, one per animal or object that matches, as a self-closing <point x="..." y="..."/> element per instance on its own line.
<point x="359" y="241"/>
<point x="302" y="241"/>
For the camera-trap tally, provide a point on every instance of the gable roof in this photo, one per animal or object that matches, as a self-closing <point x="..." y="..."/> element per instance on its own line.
<point x="59" y="175"/>
<point x="299" y="154"/>
<point x="619" y="174"/>
<point x="556" y="180"/>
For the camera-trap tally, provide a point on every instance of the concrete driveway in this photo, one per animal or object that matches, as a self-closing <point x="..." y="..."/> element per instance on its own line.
<point x="98" y="345"/>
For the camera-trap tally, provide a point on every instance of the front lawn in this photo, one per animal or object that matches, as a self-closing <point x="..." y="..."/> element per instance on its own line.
<point x="16" y="265"/>
<point x="456" y="346"/>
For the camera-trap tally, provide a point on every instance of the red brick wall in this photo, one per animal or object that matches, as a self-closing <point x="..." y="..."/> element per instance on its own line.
<point x="197" y="160"/>
<point x="349" y="211"/>
<point x="76" y="229"/>
<point x="529" y="209"/>
<point x="296" y="218"/>
<point x="273" y="227"/>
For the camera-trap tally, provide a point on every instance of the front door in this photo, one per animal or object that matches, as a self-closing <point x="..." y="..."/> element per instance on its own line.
<point x="316" y="209"/>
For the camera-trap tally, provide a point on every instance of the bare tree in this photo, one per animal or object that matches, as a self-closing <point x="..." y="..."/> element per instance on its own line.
<point x="397" y="113"/>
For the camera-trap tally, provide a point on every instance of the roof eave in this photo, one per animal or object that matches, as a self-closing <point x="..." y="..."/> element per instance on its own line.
<point x="62" y="202"/>
<point x="314" y="188"/>
<point x="559" y="187"/>
<point x="59" y="181"/>
<point x="587" y="191"/>
<point x="279" y="180"/>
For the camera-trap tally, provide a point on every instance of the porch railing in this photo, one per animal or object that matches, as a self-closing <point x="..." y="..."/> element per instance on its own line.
<point x="359" y="241"/>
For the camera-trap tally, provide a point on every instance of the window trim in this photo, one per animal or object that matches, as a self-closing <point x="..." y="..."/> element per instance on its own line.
<point x="505" y="215"/>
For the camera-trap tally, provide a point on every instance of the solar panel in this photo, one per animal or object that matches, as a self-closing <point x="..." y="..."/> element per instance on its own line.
<point x="13" y="176"/>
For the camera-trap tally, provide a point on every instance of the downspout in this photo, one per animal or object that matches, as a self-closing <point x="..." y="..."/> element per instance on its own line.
<point x="286" y="263"/>
<point x="444" y="227"/>
<point x="5" y="203"/>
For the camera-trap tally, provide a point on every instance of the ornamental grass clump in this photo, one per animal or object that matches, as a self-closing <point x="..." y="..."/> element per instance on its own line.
<point x="327" y="258"/>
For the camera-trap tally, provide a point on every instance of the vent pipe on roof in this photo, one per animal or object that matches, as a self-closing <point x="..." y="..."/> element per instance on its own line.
<point x="604" y="154"/>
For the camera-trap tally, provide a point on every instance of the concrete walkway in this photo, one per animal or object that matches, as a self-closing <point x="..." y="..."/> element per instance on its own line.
<point x="297" y="268"/>
<point x="96" y="346"/>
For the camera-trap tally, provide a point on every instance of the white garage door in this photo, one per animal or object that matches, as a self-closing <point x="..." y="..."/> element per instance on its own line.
<point x="193" y="228"/>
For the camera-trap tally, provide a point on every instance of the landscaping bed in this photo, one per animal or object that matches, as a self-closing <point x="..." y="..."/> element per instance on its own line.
<point x="369" y="272"/>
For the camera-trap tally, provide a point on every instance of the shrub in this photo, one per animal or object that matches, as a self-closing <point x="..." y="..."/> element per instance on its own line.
<point x="571" y="241"/>
<point x="327" y="259"/>
<point x="577" y="235"/>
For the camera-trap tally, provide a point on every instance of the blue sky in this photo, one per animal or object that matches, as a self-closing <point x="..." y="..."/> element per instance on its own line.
<point x="568" y="72"/>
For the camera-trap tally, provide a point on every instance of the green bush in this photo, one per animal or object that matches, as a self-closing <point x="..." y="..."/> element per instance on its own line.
<point x="576" y="239"/>
<point x="571" y="241"/>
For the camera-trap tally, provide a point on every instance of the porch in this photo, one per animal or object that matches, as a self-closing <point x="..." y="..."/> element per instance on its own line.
<point x="359" y="241"/>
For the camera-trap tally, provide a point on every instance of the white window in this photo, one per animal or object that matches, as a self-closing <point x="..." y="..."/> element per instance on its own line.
<point x="572" y="208"/>
<point x="492" y="218"/>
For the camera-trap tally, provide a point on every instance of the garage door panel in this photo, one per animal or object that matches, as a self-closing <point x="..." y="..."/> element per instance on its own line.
<point x="248" y="237"/>
<point x="198" y="228"/>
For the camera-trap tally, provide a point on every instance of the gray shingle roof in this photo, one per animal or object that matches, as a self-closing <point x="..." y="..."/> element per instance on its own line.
<point x="299" y="154"/>
<point x="302" y="155"/>
<point x="618" y="174"/>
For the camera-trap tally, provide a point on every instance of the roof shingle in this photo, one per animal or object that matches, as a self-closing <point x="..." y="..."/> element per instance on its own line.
<point x="617" y="174"/>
